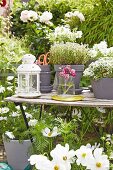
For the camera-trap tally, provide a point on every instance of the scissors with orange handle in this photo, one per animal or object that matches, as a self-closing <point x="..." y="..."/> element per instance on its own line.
<point x="43" y="59"/>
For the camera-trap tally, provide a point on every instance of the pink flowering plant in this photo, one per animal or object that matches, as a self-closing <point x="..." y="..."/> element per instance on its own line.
<point x="67" y="71"/>
<point x="66" y="82"/>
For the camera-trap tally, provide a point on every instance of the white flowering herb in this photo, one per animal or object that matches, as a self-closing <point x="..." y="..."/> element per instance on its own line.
<point x="101" y="68"/>
<point x="74" y="19"/>
<point x="69" y="53"/>
<point x="75" y="14"/>
<point x="64" y="34"/>
<point x="101" y="50"/>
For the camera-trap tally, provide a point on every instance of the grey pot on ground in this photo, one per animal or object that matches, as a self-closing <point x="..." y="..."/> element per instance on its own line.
<point x="79" y="71"/>
<point x="45" y="79"/>
<point x="17" y="153"/>
<point x="103" y="88"/>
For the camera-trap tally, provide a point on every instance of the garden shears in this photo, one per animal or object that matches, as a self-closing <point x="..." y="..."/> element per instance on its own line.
<point x="43" y="59"/>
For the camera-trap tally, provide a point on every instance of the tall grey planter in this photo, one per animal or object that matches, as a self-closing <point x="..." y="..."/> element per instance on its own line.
<point x="45" y="79"/>
<point x="79" y="71"/>
<point x="17" y="153"/>
<point x="103" y="88"/>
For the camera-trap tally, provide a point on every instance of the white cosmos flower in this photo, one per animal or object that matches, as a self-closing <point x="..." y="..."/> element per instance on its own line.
<point x="37" y="159"/>
<point x="98" y="161"/>
<point x="93" y="147"/>
<point x="42" y="163"/>
<point x="63" y="155"/>
<point x="46" y="17"/>
<point x="3" y="118"/>
<point x="101" y="109"/>
<point x="24" y="16"/>
<point x="18" y="107"/>
<point x="48" y="133"/>
<point x="9" y="78"/>
<point x="32" y="122"/>
<point x="10" y="134"/>
<point x="15" y="114"/>
<point x="77" y="112"/>
<point x="51" y="165"/>
<point x="32" y="15"/>
<point x="2" y="89"/>
<point x="4" y="110"/>
<point x="109" y="137"/>
<point x="28" y="115"/>
<point x="82" y="155"/>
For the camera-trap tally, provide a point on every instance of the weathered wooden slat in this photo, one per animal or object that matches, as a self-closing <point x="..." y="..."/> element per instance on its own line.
<point x="46" y="100"/>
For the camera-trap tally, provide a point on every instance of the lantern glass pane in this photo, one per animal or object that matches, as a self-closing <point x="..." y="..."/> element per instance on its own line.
<point x="33" y="83"/>
<point x="23" y="83"/>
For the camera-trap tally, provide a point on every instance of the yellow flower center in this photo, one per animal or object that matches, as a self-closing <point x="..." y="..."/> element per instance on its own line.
<point x="98" y="164"/>
<point x="56" y="167"/>
<point x="50" y="133"/>
<point x="84" y="155"/>
<point x="64" y="158"/>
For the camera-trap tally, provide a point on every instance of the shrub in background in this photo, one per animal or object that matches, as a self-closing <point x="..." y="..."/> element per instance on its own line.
<point x="34" y="30"/>
<point x="35" y="33"/>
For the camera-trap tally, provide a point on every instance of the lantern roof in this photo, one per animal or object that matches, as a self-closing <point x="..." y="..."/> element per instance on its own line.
<point x="28" y="64"/>
<point x="28" y="68"/>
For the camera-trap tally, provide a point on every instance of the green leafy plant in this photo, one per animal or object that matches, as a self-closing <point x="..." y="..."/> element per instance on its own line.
<point x="69" y="53"/>
<point x="11" y="52"/>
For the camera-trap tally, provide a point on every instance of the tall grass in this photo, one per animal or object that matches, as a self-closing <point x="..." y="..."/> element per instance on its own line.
<point x="99" y="24"/>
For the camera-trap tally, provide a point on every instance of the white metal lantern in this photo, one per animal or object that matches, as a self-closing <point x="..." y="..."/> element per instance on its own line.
<point x="28" y="77"/>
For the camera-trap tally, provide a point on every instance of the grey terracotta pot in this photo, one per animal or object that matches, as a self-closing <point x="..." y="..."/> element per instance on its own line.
<point x="45" y="79"/>
<point x="17" y="153"/>
<point x="103" y="88"/>
<point x="79" y="71"/>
